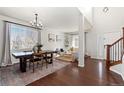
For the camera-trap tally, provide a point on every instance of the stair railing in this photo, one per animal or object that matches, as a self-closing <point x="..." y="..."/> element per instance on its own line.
<point x="115" y="52"/>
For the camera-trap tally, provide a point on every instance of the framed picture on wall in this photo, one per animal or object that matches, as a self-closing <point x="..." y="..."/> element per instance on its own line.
<point x="59" y="38"/>
<point x="51" y="37"/>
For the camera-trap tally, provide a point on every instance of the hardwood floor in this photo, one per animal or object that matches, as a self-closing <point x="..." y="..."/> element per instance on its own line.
<point x="94" y="73"/>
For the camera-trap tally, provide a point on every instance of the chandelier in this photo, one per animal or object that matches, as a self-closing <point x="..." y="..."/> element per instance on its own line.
<point x="35" y="23"/>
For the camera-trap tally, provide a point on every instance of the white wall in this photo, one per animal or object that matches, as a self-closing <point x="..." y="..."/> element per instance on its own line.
<point x="109" y="22"/>
<point x="51" y="45"/>
<point x="44" y="35"/>
<point x="6" y="18"/>
<point x="87" y="12"/>
<point x="88" y="15"/>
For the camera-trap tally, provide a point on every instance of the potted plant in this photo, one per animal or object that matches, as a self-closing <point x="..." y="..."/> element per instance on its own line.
<point x="37" y="48"/>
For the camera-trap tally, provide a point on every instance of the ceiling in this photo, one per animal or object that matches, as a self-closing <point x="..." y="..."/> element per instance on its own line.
<point x="51" y="17"/>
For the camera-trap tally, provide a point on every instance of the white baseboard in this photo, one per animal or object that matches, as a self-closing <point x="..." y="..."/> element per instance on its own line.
<point x="80" y="65"/>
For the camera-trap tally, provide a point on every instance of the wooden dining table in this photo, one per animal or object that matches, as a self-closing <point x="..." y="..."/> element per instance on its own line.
<point x="24" y="55"/>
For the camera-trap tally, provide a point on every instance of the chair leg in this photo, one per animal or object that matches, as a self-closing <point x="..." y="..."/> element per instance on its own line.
<point x="52" y="63"/>
<point x="29" y="65"/>
<point x="46" y="64"/>
<point x="42" y="64"/>
<point x="37" y="64"/>
<point x="33" y="67"/>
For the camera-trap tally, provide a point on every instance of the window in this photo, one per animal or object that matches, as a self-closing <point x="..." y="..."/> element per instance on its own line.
<point x="75" y="41"/>
<point x="22" y="38"/>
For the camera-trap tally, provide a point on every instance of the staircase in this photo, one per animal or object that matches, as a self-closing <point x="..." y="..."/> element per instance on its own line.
<point x="115" y="57"/>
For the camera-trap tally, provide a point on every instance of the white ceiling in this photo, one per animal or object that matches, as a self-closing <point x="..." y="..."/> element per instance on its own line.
<point x="51" y="17"/>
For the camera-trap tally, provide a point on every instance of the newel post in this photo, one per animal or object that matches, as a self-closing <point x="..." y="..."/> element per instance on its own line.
<point x="123" y="37"/>
<point x="108" y="57"/>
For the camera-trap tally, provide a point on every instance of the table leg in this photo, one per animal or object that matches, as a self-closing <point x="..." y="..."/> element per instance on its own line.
<point x="23" y="64"/>
<point x="51" y="59"/>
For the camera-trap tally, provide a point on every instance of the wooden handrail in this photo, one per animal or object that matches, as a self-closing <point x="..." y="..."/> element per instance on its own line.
<point x="123" y="44"/>
<point x="115" y="52"/>
<point x="111" y="51"/>
<point x="123" y="31"/>
<point x="117" y="41"/>
<point x="114" y="42"/>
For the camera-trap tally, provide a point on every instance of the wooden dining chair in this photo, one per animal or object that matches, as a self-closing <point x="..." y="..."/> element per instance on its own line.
<point x="38" y="58"/>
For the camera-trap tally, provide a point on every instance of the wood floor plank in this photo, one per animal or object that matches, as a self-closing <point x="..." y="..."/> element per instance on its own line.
<point x="94" y="73"/>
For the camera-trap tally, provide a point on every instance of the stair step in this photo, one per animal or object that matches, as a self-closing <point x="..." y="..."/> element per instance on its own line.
<point x="115" y="63"/>
<point x="119" y="69"/>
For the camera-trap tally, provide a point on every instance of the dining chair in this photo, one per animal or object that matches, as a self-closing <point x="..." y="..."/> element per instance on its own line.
<point x="38" y="58"/>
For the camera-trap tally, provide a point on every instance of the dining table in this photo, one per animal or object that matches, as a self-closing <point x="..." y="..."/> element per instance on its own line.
<point x="24" y="55"/>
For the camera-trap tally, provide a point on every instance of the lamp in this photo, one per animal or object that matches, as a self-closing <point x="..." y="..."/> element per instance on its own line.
<point x="35" y="23"/>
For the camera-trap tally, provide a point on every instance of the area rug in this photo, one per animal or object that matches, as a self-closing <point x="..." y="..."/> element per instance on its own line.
<point x="63" y="58"/>
<point x="11" y="76"/>
<point x="66" y="57"/>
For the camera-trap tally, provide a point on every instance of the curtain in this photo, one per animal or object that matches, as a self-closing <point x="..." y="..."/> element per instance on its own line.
<point x="6" y="56"/>
<point x="16" y="38"/>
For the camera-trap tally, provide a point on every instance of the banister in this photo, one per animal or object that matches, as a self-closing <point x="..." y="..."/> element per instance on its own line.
<point x="117" y="41"/>
<point x="108" y="57"/>
<point x="114" y="52"/>
<point x="123" y="32"/>
<point x="123" y="37"/>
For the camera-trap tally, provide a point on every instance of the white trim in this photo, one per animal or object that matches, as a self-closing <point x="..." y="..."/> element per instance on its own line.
<point x="118" y="70"/>
<point x="81" y="41"/>
<point x="80" y="65"/>
<point x="117" y="73"/>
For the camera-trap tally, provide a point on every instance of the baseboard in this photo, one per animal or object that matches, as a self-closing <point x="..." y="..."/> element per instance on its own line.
<point x="80" y="65"/>
<point x="98" y="59"/>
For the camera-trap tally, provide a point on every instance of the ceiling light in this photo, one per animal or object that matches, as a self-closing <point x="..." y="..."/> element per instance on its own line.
<point x="35" y="23"/>
<point x="105" y="9"/>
